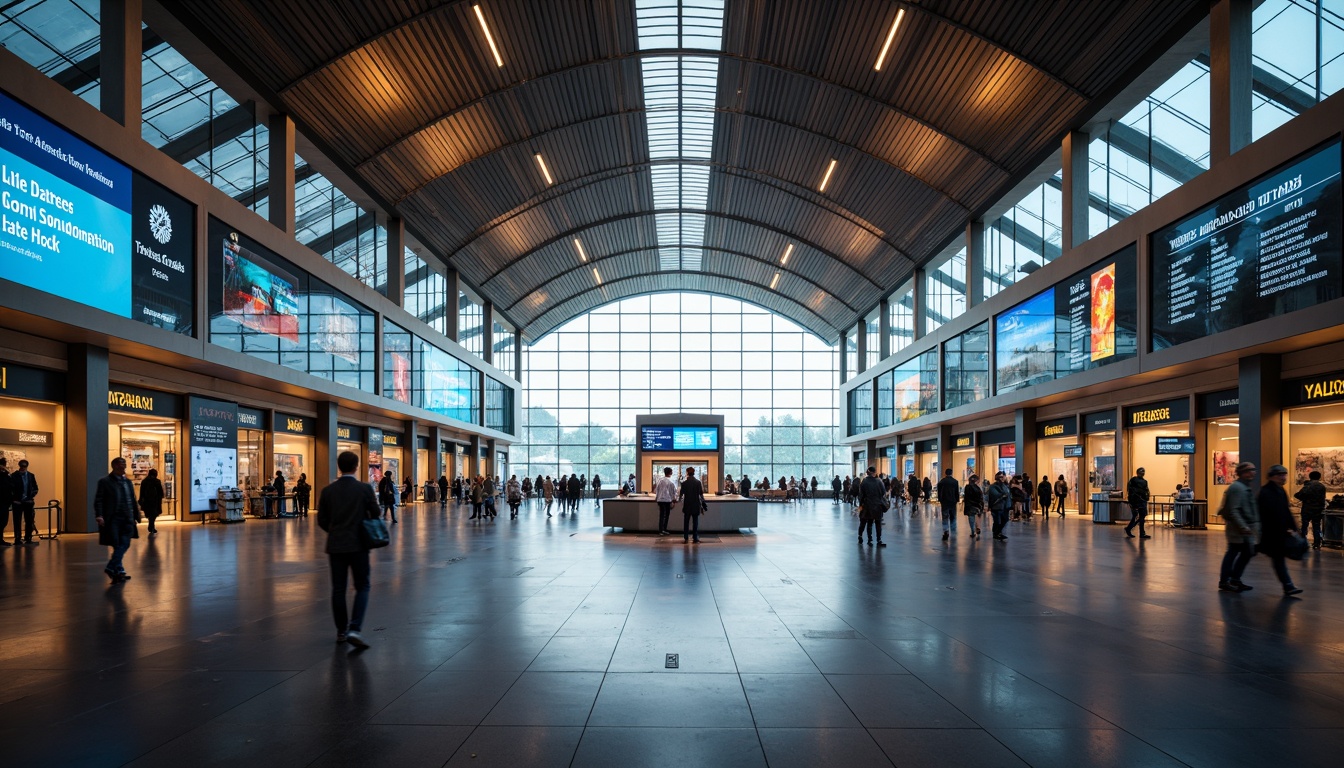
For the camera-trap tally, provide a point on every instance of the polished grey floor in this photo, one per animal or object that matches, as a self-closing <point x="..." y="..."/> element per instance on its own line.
<point x="544" y="642"/>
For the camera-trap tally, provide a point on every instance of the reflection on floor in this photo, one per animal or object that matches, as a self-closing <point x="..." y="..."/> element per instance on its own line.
<point x="545" y="642"/>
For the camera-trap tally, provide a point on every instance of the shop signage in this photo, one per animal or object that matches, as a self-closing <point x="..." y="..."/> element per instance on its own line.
<point x="1057" y="428"/>
<point x="392" y="439"/>
<point x="1008" y="451"/>
<point x="214" y="449"/>
<point x="348" y="432"/>
<point x="1175" y="445"/>
<point x="145" y="401"/>
<point x="926" y="446"/>
<point x="32" y="383"/>
<point x="963" y="441"/>
<point x="1315" y="390"/>
<point x="24" y="437"/>
<point x="1102" y="421"/>
<point x="908" y="449"/>
<point x="1073" y="451"/>
<point x="250" y="418"/>
<point x="1158" y="413"/>
<point x="292" y="425"/>
<point x="997" y="436"/>
<point x="1215" y="404"/>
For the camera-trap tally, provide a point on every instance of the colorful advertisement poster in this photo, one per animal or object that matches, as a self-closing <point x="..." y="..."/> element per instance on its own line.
<point x="257" y="297"/>
<point x="1103" y="312"/>
<point x="1025" y="353"/>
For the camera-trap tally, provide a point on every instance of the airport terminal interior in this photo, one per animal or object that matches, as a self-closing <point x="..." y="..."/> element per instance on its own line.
<point x="616" y="383"/>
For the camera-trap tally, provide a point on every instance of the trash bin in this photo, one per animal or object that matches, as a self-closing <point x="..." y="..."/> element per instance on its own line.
<point x="431" y="492"/>
<point x="1332" y="529"/>
<point x="1109" y="508"/>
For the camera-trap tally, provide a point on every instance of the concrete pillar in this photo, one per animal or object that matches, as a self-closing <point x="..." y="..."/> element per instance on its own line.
<point x="280" y="190"/>
<point x="326" y="451"/>
<point x="884" y="329"/>
<point x="1230" y="74"/>
<point x="1075" y="189"/>
<point x="518" y="357"/>
<point x="452" y="287"/>
<point x="975" y="263"/>
<point x="919" y="292"/>
<point x="86" y="440"/>
<point x="844" y="358"/>
<point x="944" y="450"/>
<point x="472" y="466"/>
<point x="119" y="59"/>
<point x="488" y="333"/>
<point x="490" y="458"/>
<point x="396" y="262"/>
<point x="861" y="342"/>
<point x="1260" y="433"/>
<point x="869" y="454"/>
<point x="1024" y="422"/>
<point x="435" y="468"/>
<point x="410" y="428"/>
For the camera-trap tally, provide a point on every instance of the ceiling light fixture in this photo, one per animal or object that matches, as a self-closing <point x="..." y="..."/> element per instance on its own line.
<point x="827" y="178"/>
<point x="489" y="38"/>
<point x="541" y="162"/>
<point x="583" y="256"/>
<point x="596" y="276"/>
<point x="881" y="57"/>
<point x="784" y="260"/>
<point x="774" y="282"/>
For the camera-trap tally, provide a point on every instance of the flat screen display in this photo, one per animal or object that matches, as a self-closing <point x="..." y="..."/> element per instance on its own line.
<point x="679" y="438"/>
<point x="1270" y="248"/>
<point x="1025" y="336"/>
<point x="1175" y="445"/>
<point x="258" y="295"/>
<point x="79" y="224"/>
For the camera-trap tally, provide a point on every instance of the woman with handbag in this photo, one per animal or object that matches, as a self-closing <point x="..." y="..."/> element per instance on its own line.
<point x="1279" y="537"/>
<point x="477" y="497"/>
<point x="973" y="503"/>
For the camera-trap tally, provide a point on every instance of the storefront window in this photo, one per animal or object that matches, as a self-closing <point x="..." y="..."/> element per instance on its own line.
<point x="1099" y="452"/>
<point x="146" y="443"/>
<point x="34" y="431"/>
<point x="1314" y="439"/>
<point x="1224" y="453"/>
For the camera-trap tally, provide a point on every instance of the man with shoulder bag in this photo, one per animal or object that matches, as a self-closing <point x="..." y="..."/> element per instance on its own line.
<point x="872" y="505"/>
<point x="342" y="509"/>
<point x="1312" y="495"/>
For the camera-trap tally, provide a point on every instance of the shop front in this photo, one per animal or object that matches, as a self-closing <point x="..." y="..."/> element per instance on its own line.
<point x="1099" y="451"/>
<point x="33" y="422"/>
<point x="1058" y="451"/>
<point x="998" y="451"/>
<point x="1218" y="411"/>
<point x="906" y="451"/>
<point x="145" y="429"/>
<point x="422" y="443"/>
<point x="1313" y="435"/>
<point x="1157" y="438"/>
<point x="392" y="447"/>
<point x="252" y="475"/>
<point x="350" y="438"/>
<point x="926" y="460"/>
<point x="963" y="456"/>
<point x="294" y="438"/>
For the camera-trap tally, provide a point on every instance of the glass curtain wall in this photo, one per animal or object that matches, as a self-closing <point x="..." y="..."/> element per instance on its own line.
<point x="502" y="349"/>
<point x="60" y="38"/>
<point x="945" y="291"/>
<point x="1297" y="55"/>
<point x="901" y="318"/>
<point x="471" y="324"/>
<point x="775" y="385"/>
<point x="872" y="332"/>
<point x="342" y="232"/>
<point x="851" y="354"/>
<point x="1026" y="237"/>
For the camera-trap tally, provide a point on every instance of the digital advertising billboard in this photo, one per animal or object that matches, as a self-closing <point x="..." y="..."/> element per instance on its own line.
<point x="1025" y="343"/>
<point x="78" y="224"/>
<point x="679" y="438"/>
<point x="258" y="295"/>
<point x="1267" y="249"/>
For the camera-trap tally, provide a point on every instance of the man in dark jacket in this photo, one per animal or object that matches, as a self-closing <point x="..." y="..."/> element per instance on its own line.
<point x="574" y="492"/>
<point x="6" y="502"/>
<point x="692" y="498"/>
<point x="116" y="513"/>
<point x="1000" y="504"/>
<point x="949" y="491"/>
<point x="1277" y="524"/>
<point x="872" y="505"/>
<point x="341" y="510"/>
<point x="1029" y="488"/>
<point x="836" y="485"/>
<point x="1136" y="493"/>
<point x="744" y="487"/>
<point x="23" y="486"/>
<point x="913" y="489"/>
<point x="1312" y="496"/>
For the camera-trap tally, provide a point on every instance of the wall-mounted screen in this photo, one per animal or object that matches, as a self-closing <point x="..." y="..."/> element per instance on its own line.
<point x="1087" y="320"/>
<point x="1175" y="445"/>
<point x="679" y="438"/>
<point x="1270" y="248"/>
<point x="79" y="224"/>
<point x="259" y="295"/>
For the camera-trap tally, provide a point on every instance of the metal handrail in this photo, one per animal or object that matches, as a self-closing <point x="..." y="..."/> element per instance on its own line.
<point x="51" y="506"/>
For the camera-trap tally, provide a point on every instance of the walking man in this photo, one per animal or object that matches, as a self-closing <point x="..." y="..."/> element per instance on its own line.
<point x="1312" y="495"/>
<point x="692" y="504"/>
<point x="949" y="490"/>
<point x="1136" y="492"/>
<point x="872" y="505"/>
<point x="665" y="493"/>
<point x="341" y="510"/>
<point x="116" y="513"/>
<point x="1000" y="505"/>
<point x="1241" y="520"/>
<point x="24" y="488"/>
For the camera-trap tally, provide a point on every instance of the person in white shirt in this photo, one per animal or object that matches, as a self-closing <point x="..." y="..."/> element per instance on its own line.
<point x="665" y="493"/>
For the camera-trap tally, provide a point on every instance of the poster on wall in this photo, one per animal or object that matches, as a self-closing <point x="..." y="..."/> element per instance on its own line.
<point x="1025" y="336"/>
<point x="258" y="295"/>
<point x="1267" y="249"/>
<point x="1225" y="466"/>
<point x="375" y="438"/>
<point x="214" y="449"/>
<point x="78" y="224"/>
<point x="1103" y="473"/>
<point x="1328" y="461"/>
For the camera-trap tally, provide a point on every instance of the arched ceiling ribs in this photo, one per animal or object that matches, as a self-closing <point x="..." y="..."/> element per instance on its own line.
<point x="575" y="231"/>
<point x="728" y="294"/>
<point x="541" y="79"/>
<point x="561" y="190"/>
<point x="622" y="113"/>
<point x="924" y="10"/>
<point x="597" y="260"/>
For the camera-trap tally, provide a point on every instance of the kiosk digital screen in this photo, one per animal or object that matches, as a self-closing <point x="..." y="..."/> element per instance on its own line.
<point x="1270" y="248"/>
<point x="679" y="438"/>
<point x="1175" y="445"/>
<point x="78" y="224"/>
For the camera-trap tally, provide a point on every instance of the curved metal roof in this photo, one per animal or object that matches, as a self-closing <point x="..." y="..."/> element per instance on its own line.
<point x="407" y="96"/>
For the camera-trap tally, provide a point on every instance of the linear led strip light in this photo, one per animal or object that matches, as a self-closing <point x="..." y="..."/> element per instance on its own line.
<point x="886" y="47"/>
<point x="545" y="172"/>
<point x="774" y="282"/>
<point x="784" y="260"/>
<point x="489" y="38"/>
<point x="826" y="179"/>
<point x="582" y="255"/>
<point x="596" y="276"/>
